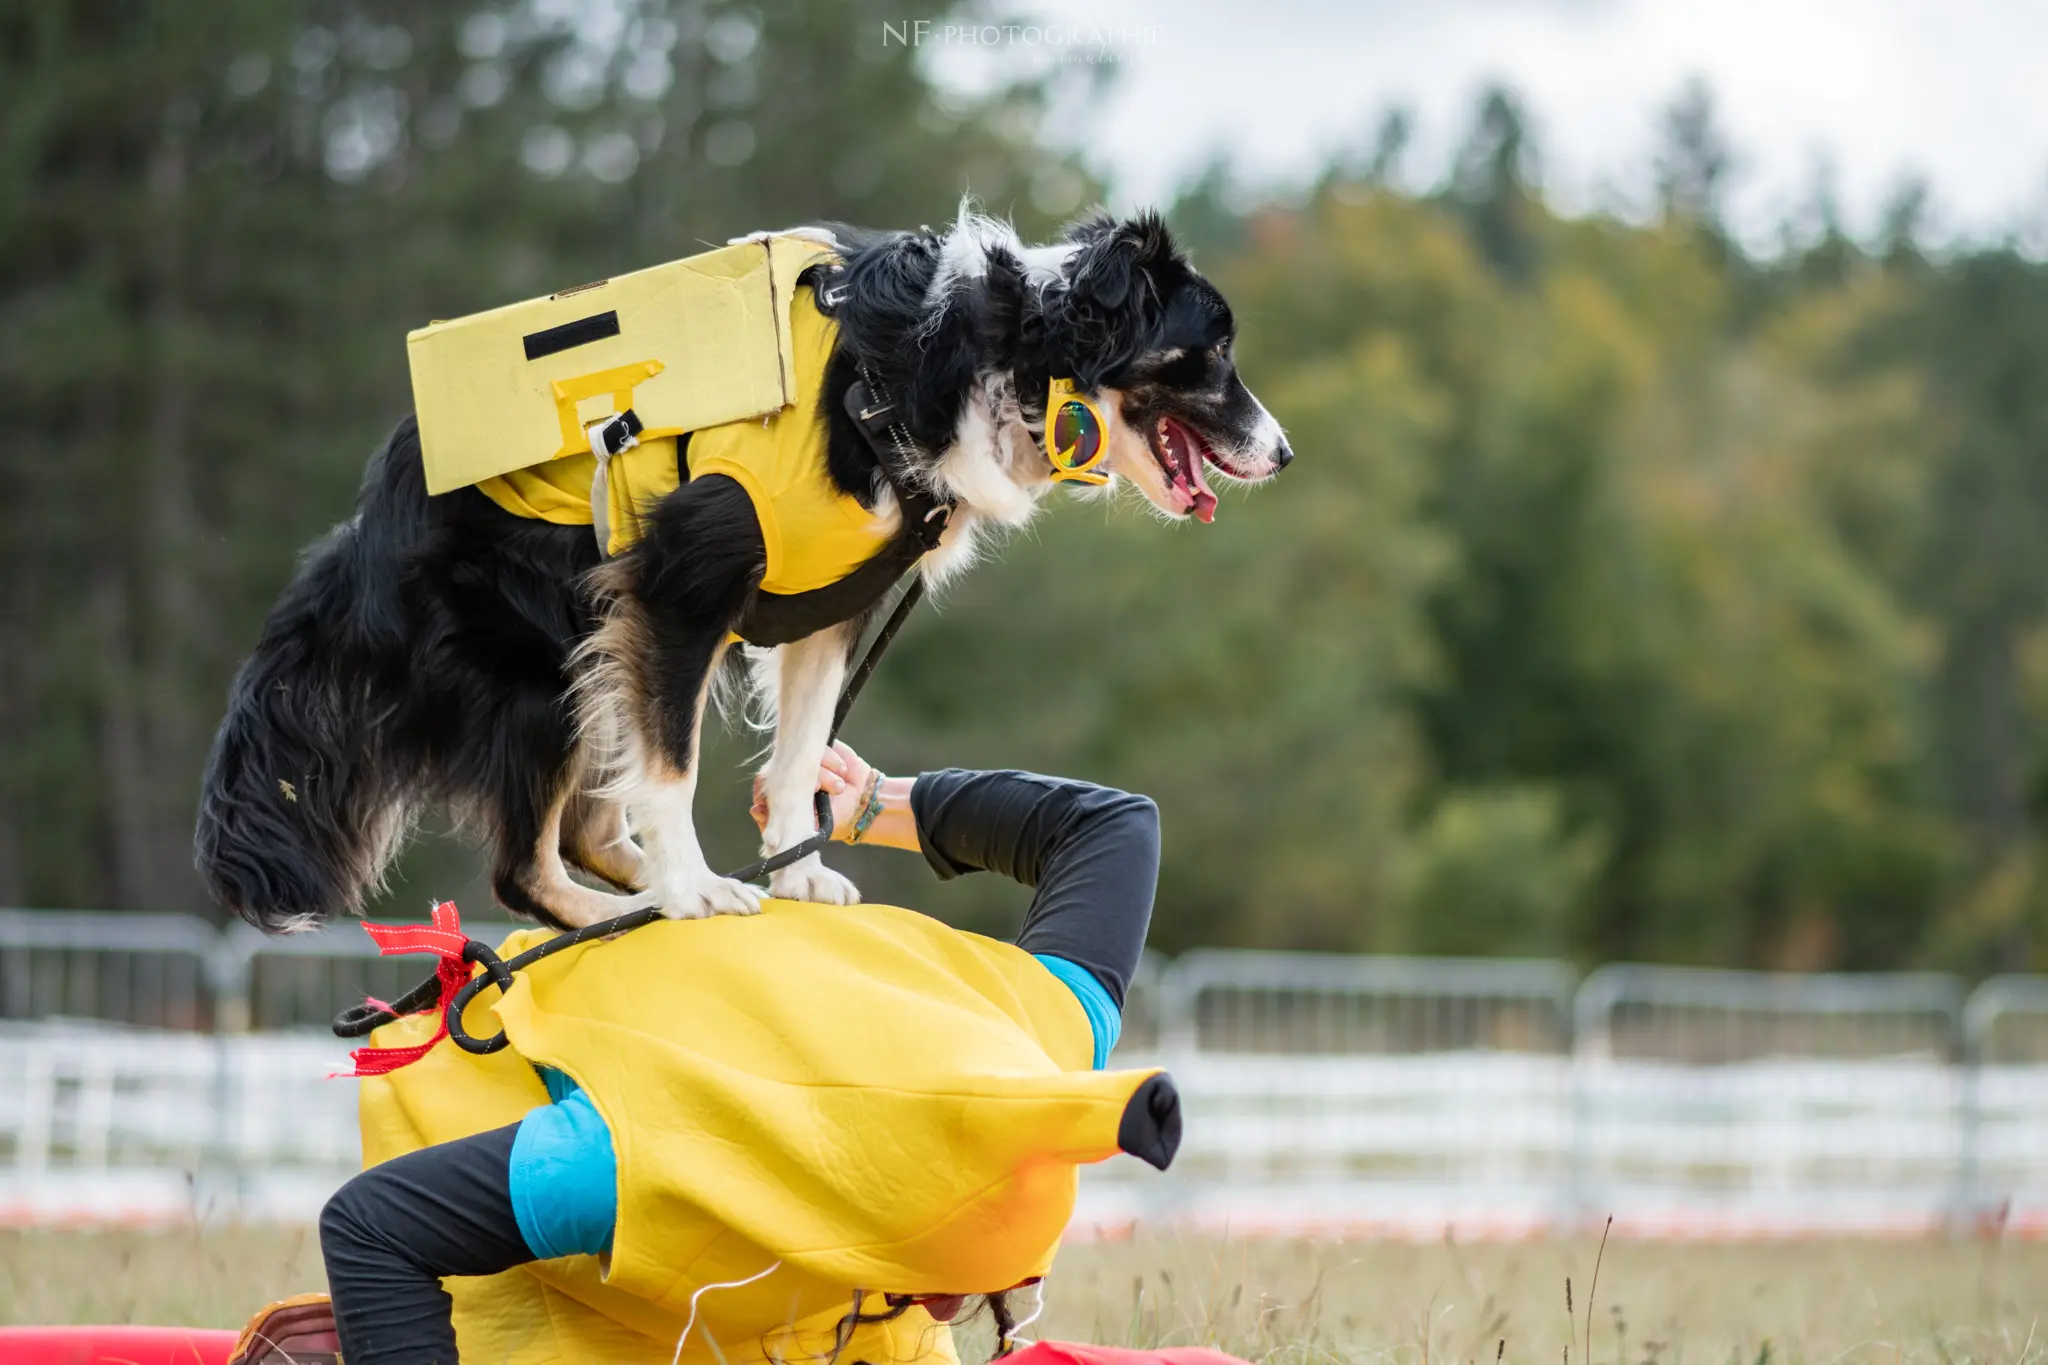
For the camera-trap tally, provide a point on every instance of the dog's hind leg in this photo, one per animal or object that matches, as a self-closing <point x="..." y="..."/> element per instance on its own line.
<point x="536" y="783"/>
<point x="539" y="884"/>
<point x="596" y="839"/>
<point x="645" y="677"/>
<point x="658" y="793"/>
<point x="808" y="675"/>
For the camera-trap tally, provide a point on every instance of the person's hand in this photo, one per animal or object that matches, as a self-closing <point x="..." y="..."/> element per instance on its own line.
<point x="843" y="775"/>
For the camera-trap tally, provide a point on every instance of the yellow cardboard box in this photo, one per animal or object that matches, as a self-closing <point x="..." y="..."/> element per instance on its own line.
<point x="692" y="344"/>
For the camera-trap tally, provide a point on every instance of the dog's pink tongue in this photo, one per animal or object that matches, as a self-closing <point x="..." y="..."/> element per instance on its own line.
<point x="1187" y="456"/>
<point x="1205" y="501"/>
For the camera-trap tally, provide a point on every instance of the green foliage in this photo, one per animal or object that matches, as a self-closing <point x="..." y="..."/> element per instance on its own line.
<point x="218" y="221"/>
<point x="1496" y="871"/>
<point x="1584" y="626"/>
<point x="1631" y="597"/>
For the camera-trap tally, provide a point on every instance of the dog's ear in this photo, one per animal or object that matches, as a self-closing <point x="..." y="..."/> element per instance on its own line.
<point x="1116" y="260"/>
<point x="1007" y="326"/>
<point x="1152" y="240"/>
<point x="1112" y="298"/>
<point x="1090" y="227"/>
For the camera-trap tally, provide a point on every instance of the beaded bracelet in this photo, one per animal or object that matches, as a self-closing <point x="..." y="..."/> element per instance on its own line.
<point x="871" y="806"/>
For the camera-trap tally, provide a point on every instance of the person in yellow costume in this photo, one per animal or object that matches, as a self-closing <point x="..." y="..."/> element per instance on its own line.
<point x="807" y="1134"/>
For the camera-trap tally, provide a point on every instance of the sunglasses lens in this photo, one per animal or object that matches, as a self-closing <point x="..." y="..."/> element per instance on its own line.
<point x="1076" y="435"/>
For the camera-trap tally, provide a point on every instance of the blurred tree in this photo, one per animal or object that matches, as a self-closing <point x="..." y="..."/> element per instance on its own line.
<point x="1633" y="596"/>
<point x="216" y="224"/>
<point x="1979" y="333"/>
<point x="1492" y="182"/>
<point x="1390" y="146"/>
<point x="1631" y="593"/>
<point x="1498" y="871"/>
<point x="1906" y="213"/>
<point x="1205" y="219"/>
<point x="1694" y="157"/>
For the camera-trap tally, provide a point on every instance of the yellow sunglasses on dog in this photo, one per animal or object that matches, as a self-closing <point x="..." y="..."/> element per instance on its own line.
<point x="1076" y="437"/>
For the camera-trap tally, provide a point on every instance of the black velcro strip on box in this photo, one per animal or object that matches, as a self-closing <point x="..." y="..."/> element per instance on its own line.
<point x="581" y="332"/>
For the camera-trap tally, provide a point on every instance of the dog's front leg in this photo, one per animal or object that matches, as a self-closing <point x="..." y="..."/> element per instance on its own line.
<point x="808" y="675"/>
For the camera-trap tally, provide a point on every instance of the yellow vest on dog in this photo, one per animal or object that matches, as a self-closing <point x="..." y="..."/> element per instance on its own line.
<point x="724" y="346"/>
<point x="689" y="344"/>
<point x="872" y="1099"/>
<point x="814" y="533"/>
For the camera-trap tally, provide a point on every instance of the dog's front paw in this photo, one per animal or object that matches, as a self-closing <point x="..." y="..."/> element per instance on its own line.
<point x="808" y="879"/>
<point x="702" y="897"/>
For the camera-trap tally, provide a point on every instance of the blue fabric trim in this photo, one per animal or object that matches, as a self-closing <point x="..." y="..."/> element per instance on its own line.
<point x="564" y="1176"/>
<point x="1105" y="1020"/>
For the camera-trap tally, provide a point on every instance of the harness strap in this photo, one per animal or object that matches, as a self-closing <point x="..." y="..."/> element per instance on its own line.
<point x="925" y="514"/>
<point x="608" y="437"/>
<point x="772" y="618"/>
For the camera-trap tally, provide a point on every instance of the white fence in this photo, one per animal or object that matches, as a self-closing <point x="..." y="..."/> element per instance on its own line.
<point x="1322" y="1093"/>
<point x="105" y="1124"/>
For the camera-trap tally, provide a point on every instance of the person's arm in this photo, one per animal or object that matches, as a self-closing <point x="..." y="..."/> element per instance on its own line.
<point x="854" y="786"/>
<point x="1091" y="853"/>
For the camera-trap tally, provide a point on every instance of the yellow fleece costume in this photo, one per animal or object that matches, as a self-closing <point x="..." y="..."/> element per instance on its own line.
<point x="871" y="1098"/>
<point x="814" y="533"/>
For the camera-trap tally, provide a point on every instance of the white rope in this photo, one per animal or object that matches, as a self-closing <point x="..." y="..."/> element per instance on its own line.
<point x="1011" y="1335"/>
<point x="704" y="1289"/>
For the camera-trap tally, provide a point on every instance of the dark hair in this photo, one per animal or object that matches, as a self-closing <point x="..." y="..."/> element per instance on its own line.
<point x="998" y="1306"/>
<point x="898" y="1305"/>
<point x="1005" y="1321"/>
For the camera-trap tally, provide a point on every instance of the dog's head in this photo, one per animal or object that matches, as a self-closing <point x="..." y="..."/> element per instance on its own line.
<point x="1153" y="340"/>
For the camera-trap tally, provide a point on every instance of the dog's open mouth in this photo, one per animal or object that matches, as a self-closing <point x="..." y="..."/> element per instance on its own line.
<point x="1182" y="454"/>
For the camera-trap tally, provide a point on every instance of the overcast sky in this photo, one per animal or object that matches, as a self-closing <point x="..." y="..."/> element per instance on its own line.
<point x="1953" y="91"/>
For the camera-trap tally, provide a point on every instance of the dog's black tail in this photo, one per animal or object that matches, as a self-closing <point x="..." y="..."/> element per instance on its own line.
<point x="303" y="802"/>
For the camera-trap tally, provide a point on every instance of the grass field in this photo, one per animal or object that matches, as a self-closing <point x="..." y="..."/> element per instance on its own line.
<point x="1813" y="1303"/>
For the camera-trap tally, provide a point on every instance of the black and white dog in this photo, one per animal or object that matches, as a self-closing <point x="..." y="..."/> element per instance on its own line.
<point x="441" y="649"/>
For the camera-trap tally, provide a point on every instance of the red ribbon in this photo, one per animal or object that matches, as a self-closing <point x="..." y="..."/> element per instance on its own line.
<point x="444" y="939"/>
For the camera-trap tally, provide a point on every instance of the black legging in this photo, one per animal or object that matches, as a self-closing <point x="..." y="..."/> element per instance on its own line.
<point x="390" y="1234"/>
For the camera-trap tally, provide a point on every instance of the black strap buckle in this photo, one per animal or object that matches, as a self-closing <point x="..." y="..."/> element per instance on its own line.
<point x="618" y="433"/>
<point x="925" y="517"/>
<point x="930" y="528"/>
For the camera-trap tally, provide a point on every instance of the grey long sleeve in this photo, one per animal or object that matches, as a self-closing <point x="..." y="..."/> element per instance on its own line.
<point x="1091" y="853"/>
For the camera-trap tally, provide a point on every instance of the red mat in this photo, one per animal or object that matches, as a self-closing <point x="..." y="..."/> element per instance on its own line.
<point x="115" y="1346"/>
<point x="1073" y="1353"/>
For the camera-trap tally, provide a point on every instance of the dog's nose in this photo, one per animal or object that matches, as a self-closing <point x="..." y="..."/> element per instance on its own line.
<point x="1283" y="457"/>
